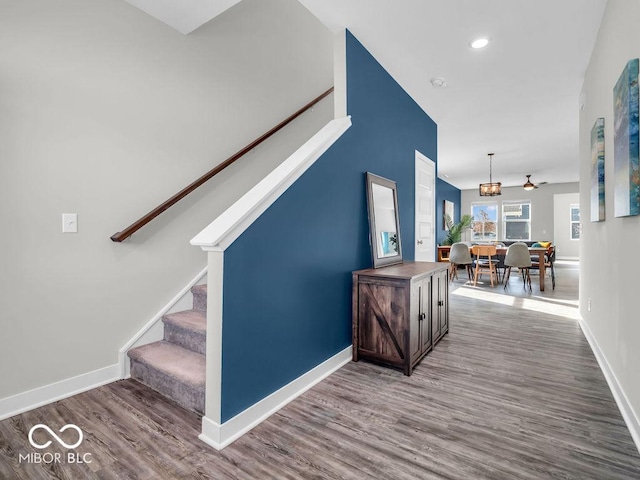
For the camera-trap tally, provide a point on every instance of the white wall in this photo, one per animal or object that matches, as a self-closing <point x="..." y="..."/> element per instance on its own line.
<point x="565" y="247"/>
<point x="608" y="269"/>
<point x="542" y="209"/>
<point x="106" y="112"/>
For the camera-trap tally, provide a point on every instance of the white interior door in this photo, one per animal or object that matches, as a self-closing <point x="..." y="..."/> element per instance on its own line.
<point x="425" y="209"/>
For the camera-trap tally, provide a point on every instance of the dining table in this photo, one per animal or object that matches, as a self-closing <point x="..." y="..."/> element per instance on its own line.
<point x="443" y="256"/>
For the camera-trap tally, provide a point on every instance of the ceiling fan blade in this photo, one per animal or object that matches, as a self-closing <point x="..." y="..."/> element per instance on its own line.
<point x="543" y="183"/>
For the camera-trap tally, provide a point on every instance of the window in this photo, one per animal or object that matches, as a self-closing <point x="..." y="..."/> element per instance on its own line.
<point x="516" y="220"/>
<point x="575" y="222"/>
<point x="485" y="221"/>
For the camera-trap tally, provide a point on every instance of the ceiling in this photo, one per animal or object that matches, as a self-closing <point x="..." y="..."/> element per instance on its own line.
<point x="183" y="15"/>
<point x="517" y="98"/>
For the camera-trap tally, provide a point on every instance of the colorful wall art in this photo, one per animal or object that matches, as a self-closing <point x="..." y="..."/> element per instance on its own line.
<point x="626" y="169"/>
<point x="597" y="171"/>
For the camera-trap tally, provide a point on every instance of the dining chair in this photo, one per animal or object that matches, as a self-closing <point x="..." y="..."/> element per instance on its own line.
<point x="518" y="256"/>
<point x="485" y="262"/>
<point x="500" y="262"/>
<point x="459" y="255"/>
<point x="549" y="259"/>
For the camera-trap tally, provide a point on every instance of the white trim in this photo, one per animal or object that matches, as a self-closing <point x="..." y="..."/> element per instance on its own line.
<point x="213" y="375"/>
<point x="229" y="225"/>
<point x="25" y="401"/>
<point x="630" y="417"/>
<point x="219" y="436"/>
<point x="145" y="335"/>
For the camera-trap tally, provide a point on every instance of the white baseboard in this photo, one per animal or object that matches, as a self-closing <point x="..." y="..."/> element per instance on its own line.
<point x="25" y="401"/>
<point x="219" y="436"/>
<point x="153" y="331"/>
<point x="628" y="414"/>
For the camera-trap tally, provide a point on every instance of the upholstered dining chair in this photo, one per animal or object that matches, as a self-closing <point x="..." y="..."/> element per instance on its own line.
<point x="518" y="256"/>
<point x="459" y="255"/>
<point x="485" y="262"/>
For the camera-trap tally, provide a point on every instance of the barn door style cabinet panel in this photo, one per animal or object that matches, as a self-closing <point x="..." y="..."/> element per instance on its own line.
<point x="399" y="312"/>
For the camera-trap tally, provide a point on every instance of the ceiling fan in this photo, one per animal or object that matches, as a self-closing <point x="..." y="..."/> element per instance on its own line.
<point x="529" y="185"/>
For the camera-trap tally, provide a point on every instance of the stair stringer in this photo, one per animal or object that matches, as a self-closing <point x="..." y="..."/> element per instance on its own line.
<point x="214" y="240"/>
<point x="153" y="330"/>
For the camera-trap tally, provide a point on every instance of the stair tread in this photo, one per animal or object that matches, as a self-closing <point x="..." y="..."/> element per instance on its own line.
<point x="199" y="297"/>
<point x="173" y="360"/>
<point x="194" y="320"/>
<point x="199" y="289"/>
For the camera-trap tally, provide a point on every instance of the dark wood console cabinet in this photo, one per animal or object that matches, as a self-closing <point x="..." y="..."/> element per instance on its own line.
<point x="399" y="312"/>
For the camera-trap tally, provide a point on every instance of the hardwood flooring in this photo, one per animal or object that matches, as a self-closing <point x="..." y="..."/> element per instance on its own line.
<point x="512" y="392"/>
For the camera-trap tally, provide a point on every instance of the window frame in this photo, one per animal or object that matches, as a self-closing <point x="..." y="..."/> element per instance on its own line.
<point x="572" y="222"/>
<point x="527" y="220"/>
<point x="484" y="237"/>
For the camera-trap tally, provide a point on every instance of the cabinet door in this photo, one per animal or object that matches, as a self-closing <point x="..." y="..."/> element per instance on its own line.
<point x="440" y="305"/>
<point x="435" y="308"/>
<point x="415" y="321"/>
<point x="443" y="297"/>
<point x="425" y="324"/>
<point x="381" y="312"/>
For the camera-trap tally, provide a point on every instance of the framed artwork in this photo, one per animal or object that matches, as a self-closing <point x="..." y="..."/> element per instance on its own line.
<point x="597" y="171"/>
<point x="448" y="210"/>
<point x="626" y="189"/>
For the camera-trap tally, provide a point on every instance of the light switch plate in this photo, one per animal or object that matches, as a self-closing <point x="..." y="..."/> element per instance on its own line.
<point x="69" y="223"/>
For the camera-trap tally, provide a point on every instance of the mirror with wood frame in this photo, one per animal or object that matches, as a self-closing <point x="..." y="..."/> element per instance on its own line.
<point x="384" y="221"/>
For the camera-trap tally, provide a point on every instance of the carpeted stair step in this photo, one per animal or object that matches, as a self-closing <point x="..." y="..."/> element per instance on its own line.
<point x="187" y="329"/>
<point x="171" y="370"/>
<point x="199" y="297"/>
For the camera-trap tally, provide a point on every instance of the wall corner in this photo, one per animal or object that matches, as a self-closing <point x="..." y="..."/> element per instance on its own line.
<point x="340" y="74"/>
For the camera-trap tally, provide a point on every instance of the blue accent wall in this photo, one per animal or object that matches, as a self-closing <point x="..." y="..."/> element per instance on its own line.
<point x="287" y="278"/>
<point x="446" y="191"/>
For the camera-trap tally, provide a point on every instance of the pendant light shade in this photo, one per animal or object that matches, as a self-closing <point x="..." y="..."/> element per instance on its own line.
<point x="490" y="189"/>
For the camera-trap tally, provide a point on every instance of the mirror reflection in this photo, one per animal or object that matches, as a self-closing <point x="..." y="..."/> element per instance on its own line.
<point x="385" y="219"/>
<point x="384" y="226"/>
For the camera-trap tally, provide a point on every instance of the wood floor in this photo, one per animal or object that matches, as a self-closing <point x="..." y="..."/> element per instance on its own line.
<point x="509" y="393"/>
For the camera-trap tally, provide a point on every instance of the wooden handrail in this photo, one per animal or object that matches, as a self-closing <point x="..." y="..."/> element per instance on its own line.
<point x="138" y="224"/>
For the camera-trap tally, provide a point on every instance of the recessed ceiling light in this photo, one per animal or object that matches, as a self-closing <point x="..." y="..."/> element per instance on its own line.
<point x="479" y="42"/>
<point x="438" y="82"/>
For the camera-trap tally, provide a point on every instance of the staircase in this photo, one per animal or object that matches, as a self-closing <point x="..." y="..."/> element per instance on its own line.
<point x="175" y="366"/>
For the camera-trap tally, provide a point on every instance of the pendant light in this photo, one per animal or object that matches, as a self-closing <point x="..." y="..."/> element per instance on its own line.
<point x="490" y="189"/>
